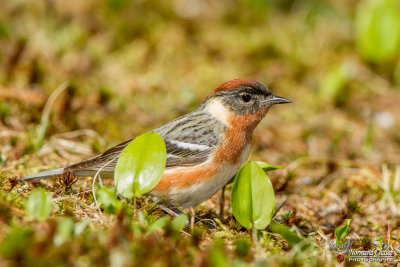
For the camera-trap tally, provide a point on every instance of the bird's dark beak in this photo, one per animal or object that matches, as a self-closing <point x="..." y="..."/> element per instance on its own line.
<point x="278" y="100"/>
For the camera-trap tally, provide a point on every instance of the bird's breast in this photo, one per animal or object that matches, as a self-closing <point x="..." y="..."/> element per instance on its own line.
<point x="190" y="186"/>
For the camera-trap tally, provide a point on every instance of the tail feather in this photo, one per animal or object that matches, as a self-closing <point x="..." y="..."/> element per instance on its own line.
<point x="104" y="164"/>
<point x="44" y="175"/>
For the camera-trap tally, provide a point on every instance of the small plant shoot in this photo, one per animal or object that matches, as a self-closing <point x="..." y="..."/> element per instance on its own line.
<point x="140" y="165"/>
<point x="106" y="197"/>
<point x="65" y="230"/>
<point x="252" y="197"/>
<point x="291" y="237"/>
<point x="342" y="231"/>
<point x="38" y="206"/>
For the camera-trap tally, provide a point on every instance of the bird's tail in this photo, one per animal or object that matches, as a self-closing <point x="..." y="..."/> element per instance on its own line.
<point x="44" y="175"/>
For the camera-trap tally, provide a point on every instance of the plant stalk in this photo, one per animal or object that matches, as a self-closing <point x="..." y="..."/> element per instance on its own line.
<point x="254" y="233"/>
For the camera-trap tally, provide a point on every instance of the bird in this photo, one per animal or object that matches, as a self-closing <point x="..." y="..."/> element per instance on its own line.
<point x="205" y="148"/>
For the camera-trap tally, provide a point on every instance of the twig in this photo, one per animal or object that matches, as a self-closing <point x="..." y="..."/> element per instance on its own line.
<point x="192" y="217"/>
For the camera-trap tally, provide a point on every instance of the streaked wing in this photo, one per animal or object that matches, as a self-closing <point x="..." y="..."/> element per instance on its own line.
<point x="186" y="154"/>
<point x="178" y="154"/>
<point x="188" y="142"/>
<point x="191" y="139"/>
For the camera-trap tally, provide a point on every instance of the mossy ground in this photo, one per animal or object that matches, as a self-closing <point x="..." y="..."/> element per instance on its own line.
<point x="130" y="66"/>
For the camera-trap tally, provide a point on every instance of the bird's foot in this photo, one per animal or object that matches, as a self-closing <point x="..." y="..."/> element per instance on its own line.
<point x="210" y="223"/>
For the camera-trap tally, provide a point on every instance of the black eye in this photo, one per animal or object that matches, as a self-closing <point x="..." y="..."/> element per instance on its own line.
<point x="246" y="98"/>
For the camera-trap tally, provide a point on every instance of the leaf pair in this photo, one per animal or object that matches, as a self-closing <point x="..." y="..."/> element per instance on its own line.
<point x="252" y="197"/>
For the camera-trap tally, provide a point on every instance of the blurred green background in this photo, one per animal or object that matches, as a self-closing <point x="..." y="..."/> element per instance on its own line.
<point x="124" y="67"/>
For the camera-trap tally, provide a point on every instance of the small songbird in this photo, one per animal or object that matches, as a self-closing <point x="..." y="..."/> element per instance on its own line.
<point x="205" y="148"/>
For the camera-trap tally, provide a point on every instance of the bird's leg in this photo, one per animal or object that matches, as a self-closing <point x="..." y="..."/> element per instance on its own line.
<point x="208" y="222"/>
<point x="174" y="211"/>
<point x="222" y="204"/>
<point x="166" y="206"/>
<point x="192" y="219"/>
<point x="170" y="209"/>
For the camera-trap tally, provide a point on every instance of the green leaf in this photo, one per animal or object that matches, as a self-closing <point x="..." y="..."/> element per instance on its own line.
<point x="64" y="231"/>
<point x="252" y="197"/>
<point x="342" y="231"/>
<point x="267" y="167"/>
<point x="15" y="242"/>
<point x="140" y="165"/>
<point x="396" y="74"/>
<point x="334" y="83"/>
<point x="179" y="222"/>
<point x="81" y="227"/>
<point x="292" y="238"/>
<point x="377" y="25"/>
<point x="106" y="197"/>
<point x="38" y="206"/>
<point x="243" y="247"/>
<point x="160" y="223"/>
<point x="218" y="257"/>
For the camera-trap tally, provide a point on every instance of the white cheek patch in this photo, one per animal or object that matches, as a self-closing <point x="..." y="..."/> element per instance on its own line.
<point x="218" y="110"/>
<point x="189" y="146"/>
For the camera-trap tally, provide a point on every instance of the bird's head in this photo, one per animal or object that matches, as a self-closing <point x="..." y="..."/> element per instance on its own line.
<point x="244" y="97"/>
